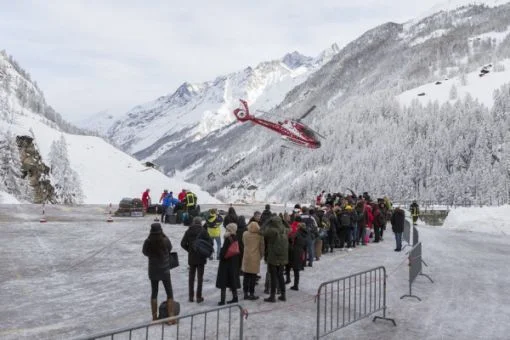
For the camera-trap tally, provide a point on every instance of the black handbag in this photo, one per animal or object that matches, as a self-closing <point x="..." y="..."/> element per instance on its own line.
<point x="174" y="260"/>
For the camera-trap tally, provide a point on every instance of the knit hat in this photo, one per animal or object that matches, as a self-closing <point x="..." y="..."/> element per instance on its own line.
<point x="156" y="228"/>
<point x="268" y="207"/>
<point x="232" y="228"/>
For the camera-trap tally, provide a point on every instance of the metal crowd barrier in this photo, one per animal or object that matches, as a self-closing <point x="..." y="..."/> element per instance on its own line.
<point x="344" y="301"/>
<point x="415" y="269"/>
<point x="216" y="323"/>
<point x="406" y="235"/>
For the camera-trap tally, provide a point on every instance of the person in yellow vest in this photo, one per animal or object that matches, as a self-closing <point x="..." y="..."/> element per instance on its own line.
<point x="213" y="224"/>
<point x="190" y="201"/>
<point x="415" y="212"/>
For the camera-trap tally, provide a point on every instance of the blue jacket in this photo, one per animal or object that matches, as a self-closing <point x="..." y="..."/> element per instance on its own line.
<point x="169" y="201"/>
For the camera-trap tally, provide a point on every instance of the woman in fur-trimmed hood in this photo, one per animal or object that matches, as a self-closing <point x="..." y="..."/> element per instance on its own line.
<point x="228" y="269"/>
<point x="253" y="254"/>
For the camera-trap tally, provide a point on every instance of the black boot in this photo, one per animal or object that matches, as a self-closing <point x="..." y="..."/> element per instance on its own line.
<point x="222" y="297"/>
<point x="270" y="299"/>
<point x="282" y="296"/>
<point x="234" y="297"/>
<point x="287" y="277"/>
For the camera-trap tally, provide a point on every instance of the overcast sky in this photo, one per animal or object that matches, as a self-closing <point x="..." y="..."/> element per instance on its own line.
<point x="90" y="56"/>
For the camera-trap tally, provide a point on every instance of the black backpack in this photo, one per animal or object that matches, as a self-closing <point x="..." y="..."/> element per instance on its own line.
<point x="203" y="247"/>
<point x="345" y="219"/>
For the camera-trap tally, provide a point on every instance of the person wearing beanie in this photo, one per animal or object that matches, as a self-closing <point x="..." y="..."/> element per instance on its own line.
<point x="228" y="268"/>
<point x="157" y="248"/>
<point x="196" y="262"/>
<point x="266" y="215"/>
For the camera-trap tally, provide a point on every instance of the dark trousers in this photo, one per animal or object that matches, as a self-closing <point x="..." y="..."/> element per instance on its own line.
<point x="276" y="273"/>
<point x="249" y="281"/>
<point x="377" y="233"/>
<point x="398" y="239"/>
<point x="295" y="268"/>
<point x="199" y="270"/>
<point x="342" y="234"/>
<point x="168" y="289"/>
<point x="163" y="214"/>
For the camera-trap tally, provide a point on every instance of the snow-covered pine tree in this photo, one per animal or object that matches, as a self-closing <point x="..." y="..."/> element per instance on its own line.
<point x="11" y="177"/>
<point x="64" y="178"/>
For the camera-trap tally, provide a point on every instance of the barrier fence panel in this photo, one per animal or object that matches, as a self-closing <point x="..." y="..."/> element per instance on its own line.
<point x="415" y="269"/>
<point x="416" y="240"/>
<point x="225" y="322"/>
<point x="344" y="301"/>
<point x="406" y="235"/>
<point x="416" y="236"/>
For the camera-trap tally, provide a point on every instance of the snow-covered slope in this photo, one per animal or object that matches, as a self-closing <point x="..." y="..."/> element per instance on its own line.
<point x="106" y="173"/>
<point x="478" y="87"/>
<point x="200" y="109"/>
<point x="98" y="123"/>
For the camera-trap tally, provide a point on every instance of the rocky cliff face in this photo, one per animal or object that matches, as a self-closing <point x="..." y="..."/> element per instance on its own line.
<point x="35" y="171"/>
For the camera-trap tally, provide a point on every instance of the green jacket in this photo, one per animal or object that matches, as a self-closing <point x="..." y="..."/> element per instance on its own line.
<point x="275" y="237"/>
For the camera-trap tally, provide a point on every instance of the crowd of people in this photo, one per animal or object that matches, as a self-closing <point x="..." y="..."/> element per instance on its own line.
<point x="286" y="242"/>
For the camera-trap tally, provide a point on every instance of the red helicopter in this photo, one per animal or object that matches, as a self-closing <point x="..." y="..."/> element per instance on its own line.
<point x="291" y="130"/>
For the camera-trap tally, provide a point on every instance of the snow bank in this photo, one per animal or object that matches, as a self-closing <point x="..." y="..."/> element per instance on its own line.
<point x="492" y="220"/>
<point x="6" y="198"/>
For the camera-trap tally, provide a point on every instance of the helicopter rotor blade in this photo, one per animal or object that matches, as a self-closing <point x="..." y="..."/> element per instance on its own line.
<point x="306" y="113"/>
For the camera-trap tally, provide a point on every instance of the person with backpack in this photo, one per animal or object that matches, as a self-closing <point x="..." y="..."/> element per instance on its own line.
<point x="228" y="268"/>
<point x="344" y="223"/>
<point x="213" y="225"/>
<point x="253" y="254"/>
<point x="330" y="217"/>
<point x="199" y="245"/>
<point x="379" y="222"/>
<point x="275" y="236"/>
<point x="313" y="233"/>
<point x="157" y="248"/>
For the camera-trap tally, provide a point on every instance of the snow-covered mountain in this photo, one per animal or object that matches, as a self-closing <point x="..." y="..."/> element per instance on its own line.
<point x="381" y="135"/>
<point x="194" y="111"/>
<point x="97" y="123"/>
<point x="43" y="161"/>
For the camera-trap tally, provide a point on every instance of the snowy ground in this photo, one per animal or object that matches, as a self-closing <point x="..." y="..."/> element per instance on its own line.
<point x="77" y="275"/>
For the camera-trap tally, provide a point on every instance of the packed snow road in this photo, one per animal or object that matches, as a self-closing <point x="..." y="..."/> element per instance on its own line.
<point x="77" y="275"/>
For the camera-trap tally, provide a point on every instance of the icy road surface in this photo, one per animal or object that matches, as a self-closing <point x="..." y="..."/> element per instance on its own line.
<point x="77" y="275"/>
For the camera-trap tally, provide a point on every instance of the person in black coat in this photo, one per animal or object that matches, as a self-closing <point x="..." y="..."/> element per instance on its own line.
<point x="297" y="244"/>
<point x="266" y="215"/>
<point x="157" y="248"/>
<point x="397" y="225"/>
<point x="196" y="262"/>
<point x="230" y="217"/>
<point x="241" y="228"/>
<point x="228" y="269"/>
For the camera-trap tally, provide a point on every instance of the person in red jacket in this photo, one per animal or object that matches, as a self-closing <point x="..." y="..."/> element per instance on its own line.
<point x="182" y="195"/>
<point x="146" y="199"/>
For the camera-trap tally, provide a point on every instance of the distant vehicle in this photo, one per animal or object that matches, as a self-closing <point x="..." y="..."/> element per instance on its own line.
<point x="291" y="130"/>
